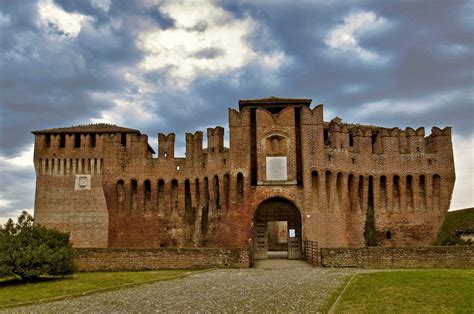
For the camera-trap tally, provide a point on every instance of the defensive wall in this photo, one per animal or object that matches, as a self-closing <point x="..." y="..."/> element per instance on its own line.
<point x="98" y="259"/>
<point x="107" y="186"/>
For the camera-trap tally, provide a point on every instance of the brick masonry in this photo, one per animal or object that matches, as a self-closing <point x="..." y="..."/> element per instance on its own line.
<point x="399" y="257"/>
<point x="114" y="259"/>
<point x="105" y="185"/>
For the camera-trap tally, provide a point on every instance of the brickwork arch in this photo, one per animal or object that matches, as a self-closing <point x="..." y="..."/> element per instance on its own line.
<point x="276" y="209"/>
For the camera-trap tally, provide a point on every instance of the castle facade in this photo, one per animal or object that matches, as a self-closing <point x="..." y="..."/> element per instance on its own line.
<point x="286" y="177"/>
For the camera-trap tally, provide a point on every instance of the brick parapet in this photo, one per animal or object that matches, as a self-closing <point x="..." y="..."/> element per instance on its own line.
<point x="399" y="257"/>
<point x="113" y="259"/>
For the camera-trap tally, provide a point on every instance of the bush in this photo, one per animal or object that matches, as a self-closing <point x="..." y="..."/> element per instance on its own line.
<point x="30" y="251"/>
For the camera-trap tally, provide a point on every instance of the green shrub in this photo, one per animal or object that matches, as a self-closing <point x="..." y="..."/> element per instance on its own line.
<point x="454" y="222"/>
<point x="30" y="251"/>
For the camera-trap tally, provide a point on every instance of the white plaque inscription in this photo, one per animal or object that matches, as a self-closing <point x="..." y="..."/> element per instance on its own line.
<point x="277" y="169"/>
<point x="83" y="182"/>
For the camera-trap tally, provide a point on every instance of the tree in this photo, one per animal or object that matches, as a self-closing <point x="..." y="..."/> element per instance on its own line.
<point x="30" y="251"/>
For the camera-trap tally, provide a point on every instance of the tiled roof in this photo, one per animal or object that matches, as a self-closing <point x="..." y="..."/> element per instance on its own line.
<point x="273" y="101"/>
<point x="89" y="128"/>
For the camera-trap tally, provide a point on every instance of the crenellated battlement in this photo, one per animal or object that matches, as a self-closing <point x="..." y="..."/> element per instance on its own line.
<point x="96" y="176"/>
<point x="380" y="140"/>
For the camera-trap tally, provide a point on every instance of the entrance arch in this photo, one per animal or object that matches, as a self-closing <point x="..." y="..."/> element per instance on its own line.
<point x="272" y="210"/>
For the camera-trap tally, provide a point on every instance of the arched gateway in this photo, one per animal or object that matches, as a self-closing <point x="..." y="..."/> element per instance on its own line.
<point x="276" y="210"/>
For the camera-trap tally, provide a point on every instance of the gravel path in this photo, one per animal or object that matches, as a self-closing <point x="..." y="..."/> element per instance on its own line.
<point x="224" y="290"/>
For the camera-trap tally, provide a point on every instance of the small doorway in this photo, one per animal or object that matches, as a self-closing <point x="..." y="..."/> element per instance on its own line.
<point x="277" y="230"/>
<point x="277" y="239"/>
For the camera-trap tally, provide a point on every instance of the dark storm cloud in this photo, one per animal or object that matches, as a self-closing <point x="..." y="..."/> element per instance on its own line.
<point x="429" y="46"/>
<point x="47" y="82"/>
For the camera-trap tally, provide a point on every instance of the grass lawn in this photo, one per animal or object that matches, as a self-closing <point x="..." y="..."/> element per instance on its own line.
<point x="15" y="291"/>
<point x="420" y="291"/>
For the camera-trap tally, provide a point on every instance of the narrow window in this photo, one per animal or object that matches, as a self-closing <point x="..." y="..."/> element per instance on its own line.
<point x="396" y="193"/>
<point x="374" y="138"/>
<point x="120" y="196"/>
<point x="409" y="192"/>
<point x="253" y="148"/>
<point x="188" y="206"/>
<point x="47" y="140"/>
<point x="197" y="193"/>
<point x="206" y="192"/>
<point x="383" y="192"/>
<point x="146" y="194"/>
<point x="436" y="192"/>
<point x="388" y="235"/>
<point x="370" y="231"/>
<point x="339" y="184"/>
<point x="174" y="197"/>
<point x="217" y="198"/>
<point x="92" y="136"/>
<point x="328" y="188"/>
<point x="315" y="189"/>
<point x="123" y="139"/>
<point x="422" y="192"/>
<point x="370" y="199"/>
<point x="161" y="195"/>
<point x="350" y="185"/>
<point x="205" y="211"/>
<point x="77" y="140"/>
<point x="226" y="191"/>
<point x="375" y="144"/>
<point x="240" y="189"/>
<point x="326" y="137"/>
<point x="62" y="140"/>
<point x="351" y="140"/>
<point x="133" y="195"/>
<point x="361" y="193"/>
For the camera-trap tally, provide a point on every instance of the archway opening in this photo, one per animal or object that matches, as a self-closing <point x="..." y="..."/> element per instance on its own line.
<point x="276" y="230"/>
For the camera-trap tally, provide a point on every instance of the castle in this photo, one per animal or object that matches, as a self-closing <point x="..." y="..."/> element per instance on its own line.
<point x="286" y="177"/>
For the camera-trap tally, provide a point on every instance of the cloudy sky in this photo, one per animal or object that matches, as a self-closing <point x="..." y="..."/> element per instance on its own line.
<point x="164" y="66"/>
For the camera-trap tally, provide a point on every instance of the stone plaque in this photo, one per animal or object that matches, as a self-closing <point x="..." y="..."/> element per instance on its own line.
<point x="83" y="182"/>
<point x="277" y="169"/>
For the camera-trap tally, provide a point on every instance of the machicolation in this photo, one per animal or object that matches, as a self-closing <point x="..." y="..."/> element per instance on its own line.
<point x="287" y="176"/>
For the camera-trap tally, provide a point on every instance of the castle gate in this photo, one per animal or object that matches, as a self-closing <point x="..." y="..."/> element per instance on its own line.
<point x="276" y="210"/>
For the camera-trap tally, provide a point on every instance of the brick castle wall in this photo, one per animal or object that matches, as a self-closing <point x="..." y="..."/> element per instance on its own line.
<point x="114" y="259"/>
<point x="399" y="257"/>
<point x="335" y="172"/>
